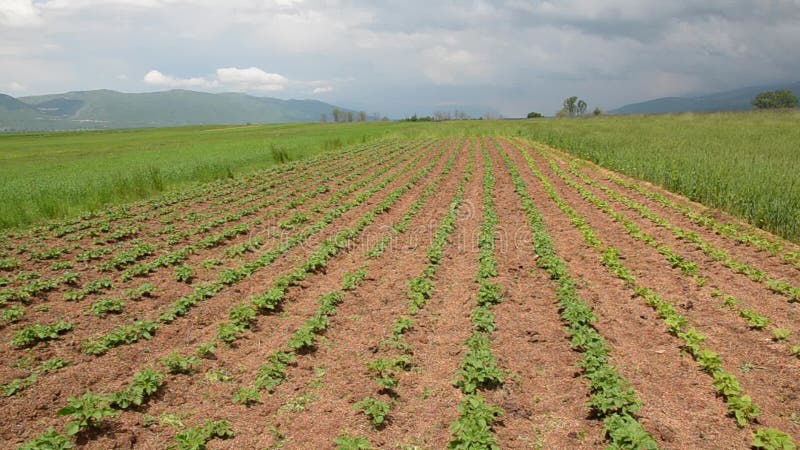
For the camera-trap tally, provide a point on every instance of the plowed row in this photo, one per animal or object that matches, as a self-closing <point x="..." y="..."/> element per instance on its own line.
<point x="471" y="293"/>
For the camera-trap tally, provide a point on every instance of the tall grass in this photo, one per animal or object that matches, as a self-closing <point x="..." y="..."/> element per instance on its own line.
<point x="747" y="164"/>
<point x="279" y="155"/>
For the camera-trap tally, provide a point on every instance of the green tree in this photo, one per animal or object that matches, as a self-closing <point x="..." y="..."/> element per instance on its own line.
<point x="570" y="106"/>
<point x="597" y="111"/>
<point x="775" y="99"/>
<point x="534" y="115"/>
<point x="581" y="108"/>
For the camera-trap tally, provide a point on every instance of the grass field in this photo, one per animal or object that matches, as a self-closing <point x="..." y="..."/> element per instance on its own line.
<point x="744" y="163"/>
<point x="747" y="164"/>
<point x="65" y="174"/>
<point x="428" y="292"/>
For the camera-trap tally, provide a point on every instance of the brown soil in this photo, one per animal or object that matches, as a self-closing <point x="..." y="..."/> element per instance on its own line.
<point x="750" y="294"/>
<point x="543" y="400"/>
<point x="726" y="333"/>
<point x="680" y="408"/>
<point x="544" y="397"/>
<point x="111" y="372"/>
<point x="168" y="289"/>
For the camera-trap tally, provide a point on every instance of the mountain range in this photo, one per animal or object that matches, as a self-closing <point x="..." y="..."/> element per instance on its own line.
<point x="105" y="109"/>
<point x="735" y="100"/>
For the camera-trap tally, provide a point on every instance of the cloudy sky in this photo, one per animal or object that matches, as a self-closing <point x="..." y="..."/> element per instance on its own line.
<point x="398" y="56"/>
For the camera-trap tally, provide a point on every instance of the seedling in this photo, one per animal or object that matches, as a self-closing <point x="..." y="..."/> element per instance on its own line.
<point x="13" y="314"/>
<point x="272" y="374"/>
<point x="86" y="411"/>
<point x="219" y="376"/>
<point x="33" y="334"/>
<point x="247" y="396"/>
<point x="771" y="439"/>
<point x="177" y="364"/>
<point x="780" y="334"/>
<point x="753" y="319"/>
<point x="229" y="332"/>
<point x="184" y="273"/>
<point x="206" y="351"/>
<point x="144" y="385"/>
<point x="242" y="316"/>
<point x="473" y="429"/>
<point x="730" y="302"/>
<point x="124" y="334"/>
<point x="375" y="409"/>
<point x="197" y="438"/>
<point x="145" y="290"/>
<point x="345" y="442"/>
<point x="49" y="440"/>
<point x="352" y="280"/>
<point x="742" y="409"/>
<point x="108" y="306"/>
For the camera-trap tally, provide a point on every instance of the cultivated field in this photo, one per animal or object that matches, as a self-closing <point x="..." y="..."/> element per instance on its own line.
<point x="478" y="292"/>
<point x="56" y="175"/>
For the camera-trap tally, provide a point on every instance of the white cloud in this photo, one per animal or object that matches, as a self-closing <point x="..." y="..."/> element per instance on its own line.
<point x="19" y="13"/>
<point x="250" y="79"/>
<point x="322" y="90"/>
<point x="157" y="78"/>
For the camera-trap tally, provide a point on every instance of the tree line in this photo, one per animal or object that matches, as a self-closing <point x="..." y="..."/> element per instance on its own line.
<point x="341" y="116"/>
<point x="571" y="107"/>
<point x="441" y="116"/>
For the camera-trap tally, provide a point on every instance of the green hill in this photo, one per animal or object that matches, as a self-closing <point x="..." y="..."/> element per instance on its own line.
<point x="105" y="109"/>
<point x="16" y="115"/>
<point x="736" y="100"/>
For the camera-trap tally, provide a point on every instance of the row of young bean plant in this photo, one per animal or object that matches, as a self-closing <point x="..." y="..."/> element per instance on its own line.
<point x="787" y="289"/>
<point x="25" y="293"/>
<point x="742" y="234"/>
<point x="148" y="209"/>
<point x="397" y="352"/>
<point x="229" y="277"/>
<point x="117" y="257"/>
<point x="612" y="399"/>
<point x="689" y="268"/>
<point x="275" y="370"/>
<point x="34" y="333"/>
<point x="740" y="405"/>
<point x="479" y="370"/>
<point x="143" y="329"/>
<point x="241" y="317"/>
